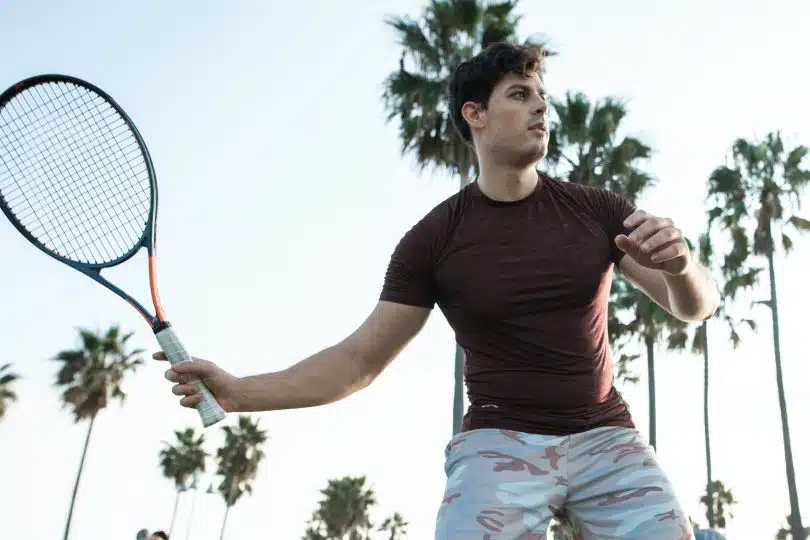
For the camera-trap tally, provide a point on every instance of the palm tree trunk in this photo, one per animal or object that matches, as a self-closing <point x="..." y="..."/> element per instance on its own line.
<point x="458" y="379"/>
<point x="458" y="390"/>
<point x="174" y="514"/>
<point x="796" y="521"/>
<point x="191" y="515"/>
<point x="78" y="477"/>
<point x="224" y="521"/>
<point x="710" y="506"/>
<point x="650" y="342"/>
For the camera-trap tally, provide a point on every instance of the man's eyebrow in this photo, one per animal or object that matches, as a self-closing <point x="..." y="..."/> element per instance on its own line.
<point x="524" y="86"/>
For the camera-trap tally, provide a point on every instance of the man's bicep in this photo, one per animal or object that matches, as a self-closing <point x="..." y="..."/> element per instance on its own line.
<point x="385" y="332"/>
<point x="650" y="282"/>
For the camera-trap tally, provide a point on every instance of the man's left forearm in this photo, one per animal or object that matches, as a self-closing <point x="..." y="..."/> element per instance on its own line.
<point x="693" y="295"/>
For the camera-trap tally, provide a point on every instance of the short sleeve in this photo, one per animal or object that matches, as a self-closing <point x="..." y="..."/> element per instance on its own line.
<point x="612" y="210"/>
<point x="410" y="276"/>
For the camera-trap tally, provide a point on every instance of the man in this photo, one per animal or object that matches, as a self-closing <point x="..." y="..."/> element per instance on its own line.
<point x="520" y="265"/>
<point x="159" y="535"/>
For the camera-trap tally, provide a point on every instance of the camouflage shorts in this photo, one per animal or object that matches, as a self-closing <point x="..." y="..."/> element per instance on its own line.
<point x="602" y="484"/>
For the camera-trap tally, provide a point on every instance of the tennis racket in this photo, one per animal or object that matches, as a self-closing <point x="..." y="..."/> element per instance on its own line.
<point x="77" y="181"/>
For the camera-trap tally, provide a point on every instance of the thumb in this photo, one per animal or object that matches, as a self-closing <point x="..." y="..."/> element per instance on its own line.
<point x="624" y="243"/>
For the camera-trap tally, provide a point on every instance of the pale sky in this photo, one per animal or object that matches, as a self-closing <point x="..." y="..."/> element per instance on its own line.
<point x="283" y="195"/>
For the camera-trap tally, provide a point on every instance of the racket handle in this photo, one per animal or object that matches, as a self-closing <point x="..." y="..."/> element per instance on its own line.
<point x="210" y="411"/>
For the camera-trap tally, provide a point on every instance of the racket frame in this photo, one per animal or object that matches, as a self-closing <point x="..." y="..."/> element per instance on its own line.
<point x="210" y="411"/>
<point x="149" y="235"/>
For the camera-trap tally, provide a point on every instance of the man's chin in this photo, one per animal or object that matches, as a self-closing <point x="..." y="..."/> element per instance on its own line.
<point x="535" y="155"/>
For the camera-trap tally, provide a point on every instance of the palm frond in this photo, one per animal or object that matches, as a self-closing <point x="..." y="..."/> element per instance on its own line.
<point x="787" y="243"/>
<point x="413" y="40"/>
<point x="728" y="183"/>
<point x="800" y="224"/>
<point x="498" y="23"/>
<point x="94" y="373"/>
<point x="572" y="123"/>
<point x="239" y="457"/>
<point x="6" y="376"/>
<point x="605" y="120"/>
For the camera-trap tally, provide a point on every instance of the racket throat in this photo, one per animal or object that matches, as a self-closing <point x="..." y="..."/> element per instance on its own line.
<point x="159" y="313"/>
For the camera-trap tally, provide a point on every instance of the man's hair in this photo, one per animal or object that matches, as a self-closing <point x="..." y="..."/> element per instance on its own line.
<point x="161" y="534"/>
<point x="474" y="79"/>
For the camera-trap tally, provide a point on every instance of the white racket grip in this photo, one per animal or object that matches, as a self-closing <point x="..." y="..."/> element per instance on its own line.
<point x="210" y="411"/>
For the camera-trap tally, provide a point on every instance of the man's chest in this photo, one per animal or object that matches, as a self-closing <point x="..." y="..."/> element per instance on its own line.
<point x="524" y="267"/>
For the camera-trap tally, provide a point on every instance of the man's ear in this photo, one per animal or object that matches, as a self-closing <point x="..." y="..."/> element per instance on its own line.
<point x="474" y="114"/>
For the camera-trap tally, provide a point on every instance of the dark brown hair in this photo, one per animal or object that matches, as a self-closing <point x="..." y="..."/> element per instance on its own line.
<point x="474" y="79"/>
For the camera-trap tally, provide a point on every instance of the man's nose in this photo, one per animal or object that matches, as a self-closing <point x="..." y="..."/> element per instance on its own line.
<point x="541" y="106"/>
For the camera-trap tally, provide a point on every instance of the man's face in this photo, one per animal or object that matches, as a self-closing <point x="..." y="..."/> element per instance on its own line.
<point x="514" y="128"/>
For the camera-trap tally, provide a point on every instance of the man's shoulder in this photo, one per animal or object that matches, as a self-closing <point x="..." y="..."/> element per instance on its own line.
<point x="593" y="198"/>
<point x="580" y="191"/>
<point x="444" y="213"/>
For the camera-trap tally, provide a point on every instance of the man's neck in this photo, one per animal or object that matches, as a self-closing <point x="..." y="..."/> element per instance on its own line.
<point x="507" y="184"/>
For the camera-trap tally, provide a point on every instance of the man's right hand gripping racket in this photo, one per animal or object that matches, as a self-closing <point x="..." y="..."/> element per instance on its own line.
<point x="77" y="181"/>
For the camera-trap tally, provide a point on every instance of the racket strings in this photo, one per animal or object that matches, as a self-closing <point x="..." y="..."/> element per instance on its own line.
<point x="38" y="163"/>
<point x="71" y="166"/>
<point x="54" y="196"/>
<point x="90" y="136"/>
<point x="72" y="172"/>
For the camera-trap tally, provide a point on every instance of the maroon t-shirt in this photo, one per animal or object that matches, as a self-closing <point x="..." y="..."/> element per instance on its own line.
<point x="525" y="287"/>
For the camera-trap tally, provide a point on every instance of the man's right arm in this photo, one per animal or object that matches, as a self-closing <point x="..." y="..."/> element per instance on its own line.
<point x="406" y="300"/>
<point x="325" y="377"/>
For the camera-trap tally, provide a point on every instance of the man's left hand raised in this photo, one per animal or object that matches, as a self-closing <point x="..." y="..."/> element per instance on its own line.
<point x="655" y="243"/>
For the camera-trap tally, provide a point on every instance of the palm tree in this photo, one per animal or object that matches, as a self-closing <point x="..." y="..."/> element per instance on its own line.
<point x="585" y="147"/>
<point x="738" y="277"/>
<point x="238" y="461"/>
<point x="343" y="512"/>
<point x="650" y="325"/>
<point x="416" y="94"/>
<point x="182" y="461"/>
<point x="784" y="532"/>
<point x="7" y="395"/>
<point x="718" y="501"/>
<point x="90" y="376"/>
<point x="756" y="198"/>
<point x="395" y="527"/>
